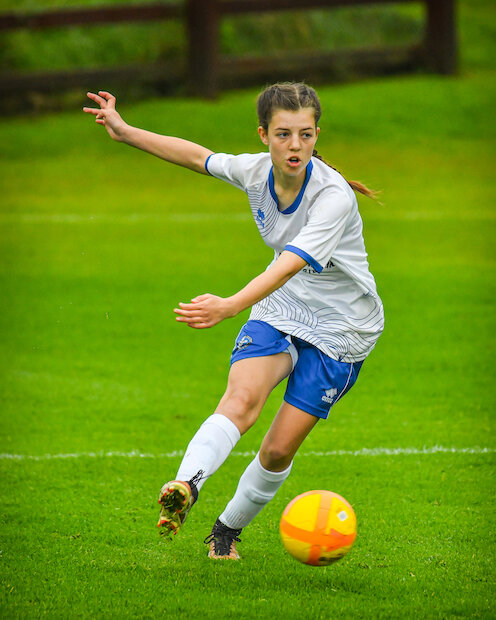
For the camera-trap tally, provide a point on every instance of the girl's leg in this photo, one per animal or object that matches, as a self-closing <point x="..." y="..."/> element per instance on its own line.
<point x="284" y="437"/>
<point x="250" y="382"/>
<point x="313" y="373"/>
<point x="249" y="385"/>
<point x="272" y="465"/>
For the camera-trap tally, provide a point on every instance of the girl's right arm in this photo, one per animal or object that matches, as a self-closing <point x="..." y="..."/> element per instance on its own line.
<point x="174" y="150"/>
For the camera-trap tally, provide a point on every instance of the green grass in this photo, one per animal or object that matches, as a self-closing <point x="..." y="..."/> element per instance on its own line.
<point x="98" y="243"/>
<point x="421" y="550"/>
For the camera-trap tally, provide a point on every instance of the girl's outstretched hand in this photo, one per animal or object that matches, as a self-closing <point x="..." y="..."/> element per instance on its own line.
<point x="205" y="311"/>
<point x="107" y="115"/>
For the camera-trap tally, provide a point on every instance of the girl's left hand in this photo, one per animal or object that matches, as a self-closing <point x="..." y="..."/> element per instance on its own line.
<point x="204" y="311"/>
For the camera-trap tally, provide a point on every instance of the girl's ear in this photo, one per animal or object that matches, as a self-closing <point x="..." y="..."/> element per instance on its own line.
<point x="263" y="135"/>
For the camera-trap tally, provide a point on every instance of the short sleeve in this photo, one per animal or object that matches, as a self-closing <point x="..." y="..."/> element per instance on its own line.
<point x="228" y="168"/>
<point x="318" y="239"/>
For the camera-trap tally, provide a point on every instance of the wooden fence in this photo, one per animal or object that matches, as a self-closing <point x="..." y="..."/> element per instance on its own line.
<point x="204" y="71"/>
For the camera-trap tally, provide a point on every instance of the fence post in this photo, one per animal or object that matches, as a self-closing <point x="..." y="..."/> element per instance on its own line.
<point x="441" y="44"/>
<point x="203" y="44"/>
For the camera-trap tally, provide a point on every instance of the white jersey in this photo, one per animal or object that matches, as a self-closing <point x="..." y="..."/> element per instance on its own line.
<point x="332" y="303"/>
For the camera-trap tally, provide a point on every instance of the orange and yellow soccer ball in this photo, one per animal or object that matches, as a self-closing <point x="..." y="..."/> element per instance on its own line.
<point x="318" y="527"/>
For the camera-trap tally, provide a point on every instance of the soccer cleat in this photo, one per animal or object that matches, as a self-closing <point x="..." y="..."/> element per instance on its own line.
<point x="176" y="499"/>
<point x="222" y="541"/>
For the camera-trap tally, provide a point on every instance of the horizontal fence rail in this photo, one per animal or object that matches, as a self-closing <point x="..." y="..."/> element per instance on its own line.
<point x="145" y="12"/>
<point x="94" y="15"/>
<point x="205" y="71"/>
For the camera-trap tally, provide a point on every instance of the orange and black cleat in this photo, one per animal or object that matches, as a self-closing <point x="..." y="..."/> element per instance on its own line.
<point x="176" y="499"/>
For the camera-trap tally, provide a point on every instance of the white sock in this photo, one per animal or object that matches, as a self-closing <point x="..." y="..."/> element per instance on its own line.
<point x="209" y="448"/>
<point x="257" y="486"/>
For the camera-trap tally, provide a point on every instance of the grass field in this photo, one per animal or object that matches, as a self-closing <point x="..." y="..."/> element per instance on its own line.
<point x="101" y="389"/>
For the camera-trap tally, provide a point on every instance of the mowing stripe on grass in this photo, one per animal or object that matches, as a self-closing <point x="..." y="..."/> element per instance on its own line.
<point x="179" y="453"/>
<point x="120" y="218"/>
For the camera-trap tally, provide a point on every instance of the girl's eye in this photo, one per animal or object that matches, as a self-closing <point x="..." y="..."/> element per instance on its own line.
<point x="282" y="134"/>
<point x="307" y="135"/>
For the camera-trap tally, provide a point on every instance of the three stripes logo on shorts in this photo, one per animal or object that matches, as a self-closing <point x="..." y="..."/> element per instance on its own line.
<point x="330" y="395"/>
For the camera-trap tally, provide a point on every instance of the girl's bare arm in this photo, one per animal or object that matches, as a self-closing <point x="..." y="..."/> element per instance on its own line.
<point x="171" y="149"/>
<point x="208" y="310"/>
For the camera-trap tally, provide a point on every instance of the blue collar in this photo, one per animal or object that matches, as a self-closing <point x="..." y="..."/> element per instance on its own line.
<point x="292" y="208"/>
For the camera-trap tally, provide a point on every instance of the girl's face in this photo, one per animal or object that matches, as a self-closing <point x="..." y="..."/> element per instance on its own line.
<point x="291" y="138"/>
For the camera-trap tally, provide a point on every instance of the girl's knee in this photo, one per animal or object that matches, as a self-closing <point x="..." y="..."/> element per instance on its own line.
<point x="275" y="457"/>
<point x="242" y="406"/>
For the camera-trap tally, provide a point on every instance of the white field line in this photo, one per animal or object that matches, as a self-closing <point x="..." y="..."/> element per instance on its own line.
<point x="241" y="216"/>
<point x="312" y="453"/>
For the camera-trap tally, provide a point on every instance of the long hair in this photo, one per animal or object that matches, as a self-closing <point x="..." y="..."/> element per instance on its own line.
<point x="293" y="96"/>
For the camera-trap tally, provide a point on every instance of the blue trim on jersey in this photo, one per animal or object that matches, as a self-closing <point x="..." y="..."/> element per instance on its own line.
<point x="310" y="260"/>
<point x="271" y="186"/>
<point x="206" y="164"/>
<point x="292" y="208"/>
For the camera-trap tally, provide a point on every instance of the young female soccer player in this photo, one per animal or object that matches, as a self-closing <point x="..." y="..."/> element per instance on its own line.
<point x="315" y="311"/>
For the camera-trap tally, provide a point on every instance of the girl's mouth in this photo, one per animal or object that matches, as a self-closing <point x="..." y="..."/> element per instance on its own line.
<point x="294" y="161"/>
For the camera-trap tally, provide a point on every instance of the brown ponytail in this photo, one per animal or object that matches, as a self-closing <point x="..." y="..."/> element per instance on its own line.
<point x="355" y="185"/>
<point x="294" y="96"/>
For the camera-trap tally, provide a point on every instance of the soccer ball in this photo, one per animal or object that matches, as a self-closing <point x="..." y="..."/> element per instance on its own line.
<point x="318" y="527"/>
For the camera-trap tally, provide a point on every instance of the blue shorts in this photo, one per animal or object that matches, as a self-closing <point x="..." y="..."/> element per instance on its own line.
<point x="316" y="382"/>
